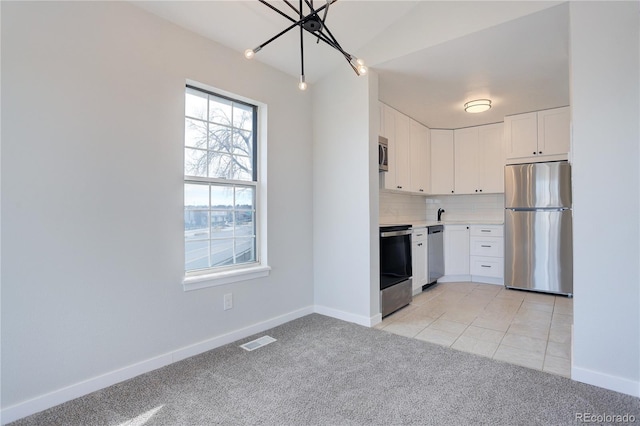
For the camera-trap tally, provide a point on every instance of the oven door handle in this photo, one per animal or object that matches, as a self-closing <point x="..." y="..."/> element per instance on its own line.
<point x="396" y="233"/>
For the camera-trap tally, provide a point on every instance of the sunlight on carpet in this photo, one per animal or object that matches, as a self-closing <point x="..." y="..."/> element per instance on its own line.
<point x="142" y="418"/>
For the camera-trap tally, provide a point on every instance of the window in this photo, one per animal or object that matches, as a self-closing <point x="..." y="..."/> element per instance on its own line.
<point x="220" y="184"/>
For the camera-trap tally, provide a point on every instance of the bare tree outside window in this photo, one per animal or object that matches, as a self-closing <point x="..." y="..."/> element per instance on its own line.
<point x="220" y="181"/>
<point x="218" y="138"/>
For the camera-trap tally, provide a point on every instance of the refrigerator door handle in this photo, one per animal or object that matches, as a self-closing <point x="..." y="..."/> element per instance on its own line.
<point x="532" y="209"/>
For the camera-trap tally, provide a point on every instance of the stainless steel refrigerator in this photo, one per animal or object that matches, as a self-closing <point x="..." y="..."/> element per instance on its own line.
<point x="538" y="227"/>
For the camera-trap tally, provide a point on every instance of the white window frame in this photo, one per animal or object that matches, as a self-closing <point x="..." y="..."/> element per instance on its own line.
<point x="212" y="277"/>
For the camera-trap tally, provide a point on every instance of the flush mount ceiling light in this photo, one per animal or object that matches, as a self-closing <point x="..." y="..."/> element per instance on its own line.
<point x="479" y="105"/>
<point x="314" y="24"/>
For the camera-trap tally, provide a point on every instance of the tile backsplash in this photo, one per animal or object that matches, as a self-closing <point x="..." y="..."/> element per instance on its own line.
<point x="466" y="207"/>
<point x="402" y="208"/>
<point x="406" y="208"/>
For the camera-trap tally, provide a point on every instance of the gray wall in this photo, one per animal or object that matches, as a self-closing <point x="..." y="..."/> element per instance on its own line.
<point x="605" y="109"/>
<point x="92" y="163"/>
<point x="345" y="197"/>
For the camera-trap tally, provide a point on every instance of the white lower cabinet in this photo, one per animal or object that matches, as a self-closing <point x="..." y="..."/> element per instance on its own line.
<point x="419" y="263"/>
<point x="487" y="253"/>
<point x="474" y="253"/>
<point x="456" y="251"/>
<point x="491" y="267"/>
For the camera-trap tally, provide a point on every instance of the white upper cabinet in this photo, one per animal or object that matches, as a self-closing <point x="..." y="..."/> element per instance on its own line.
<point x="419" y="163"/>
<point x="442" y="157"/>
<point x="403" y="173"/>
<point x="388" y="129"/>
<point x="537" y="136"/>
<point x="553" y="131"/>
<point x="479" y="160"/>
<point x="491" y="158"/>
<point x="521" y="135"/>
<point x="466" y="161"/>
<point x="408" y="151"/>
<point x="381" y="115"/>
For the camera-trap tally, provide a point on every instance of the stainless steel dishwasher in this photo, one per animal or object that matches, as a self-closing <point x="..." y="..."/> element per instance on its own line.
<point x="435" y="250"/>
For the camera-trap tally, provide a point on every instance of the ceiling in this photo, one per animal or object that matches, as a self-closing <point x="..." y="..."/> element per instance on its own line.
<point x="520" y="64"/>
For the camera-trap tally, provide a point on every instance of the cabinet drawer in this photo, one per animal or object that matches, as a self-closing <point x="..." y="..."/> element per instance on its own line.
<point x="486" y="231"/>
<point x="487" y="266"/>
<point x="489" y="246"/>
<point x="419" y="234"/>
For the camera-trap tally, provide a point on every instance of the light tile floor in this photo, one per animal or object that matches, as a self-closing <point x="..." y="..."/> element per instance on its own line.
<point x="519" y="327"/>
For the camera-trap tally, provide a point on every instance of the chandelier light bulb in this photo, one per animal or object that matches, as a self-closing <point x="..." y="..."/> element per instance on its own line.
<point x="359" y="65"/>
<point x="303" y="84"/>
<point x="250" y="53"/>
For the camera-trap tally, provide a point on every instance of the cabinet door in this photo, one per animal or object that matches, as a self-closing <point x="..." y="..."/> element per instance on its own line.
<point x="442" y="162"/>
<point x="419" y="264"/>
<point x="466" y="161"/>
<point x="521" y="135"/>
<point x="553" y="131"/>
<point x="381" y="115"/>
<point x="389" y="125"/>
<point x="491" y="157"/>
<point x="456" y="250"/>
<point x="419" y="162"/>
<point x="402" y="125"/>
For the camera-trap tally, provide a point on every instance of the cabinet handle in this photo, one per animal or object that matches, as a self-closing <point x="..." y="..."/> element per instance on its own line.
<point x="485" y="230"/>
<point x="398" y="186"/>
<point x="485" y="246"/>
<point x="481" y="190"/>
<point x="476" y="190"/>
<point x="539" y="152"/>
<point x="419" y="244"/>
<point x="534" y="153"/>
<point x="421" y="190"/>
<point x="485" y="266"/>
<point x="419" y="235"/>
<point x="452" y="192"/>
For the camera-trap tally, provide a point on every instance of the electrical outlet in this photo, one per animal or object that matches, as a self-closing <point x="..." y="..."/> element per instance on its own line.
<point x="228" y="301"/>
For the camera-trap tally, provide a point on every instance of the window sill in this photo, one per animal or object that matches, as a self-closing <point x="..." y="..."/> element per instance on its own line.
<point x="225" y="277"/>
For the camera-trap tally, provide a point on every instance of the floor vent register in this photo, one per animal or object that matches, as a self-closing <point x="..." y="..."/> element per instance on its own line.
<point x="258" y="343"/>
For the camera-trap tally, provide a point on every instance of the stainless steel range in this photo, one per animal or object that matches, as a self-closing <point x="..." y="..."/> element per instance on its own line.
<point x="395" y="268"/>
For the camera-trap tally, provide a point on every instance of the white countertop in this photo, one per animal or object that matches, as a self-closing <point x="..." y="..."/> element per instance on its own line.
<point x="424" y="224"/>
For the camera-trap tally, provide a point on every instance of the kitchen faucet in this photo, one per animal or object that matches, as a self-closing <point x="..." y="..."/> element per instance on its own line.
<point x="440" y="211"/>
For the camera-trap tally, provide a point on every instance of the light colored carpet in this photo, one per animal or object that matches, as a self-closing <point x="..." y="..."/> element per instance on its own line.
<point x="324" y="371"/>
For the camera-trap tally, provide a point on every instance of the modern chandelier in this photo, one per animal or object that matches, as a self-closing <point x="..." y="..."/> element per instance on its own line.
<point x="314" y="24"/>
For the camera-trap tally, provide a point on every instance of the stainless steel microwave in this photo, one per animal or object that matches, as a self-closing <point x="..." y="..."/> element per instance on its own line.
<point x="383" y="154"/>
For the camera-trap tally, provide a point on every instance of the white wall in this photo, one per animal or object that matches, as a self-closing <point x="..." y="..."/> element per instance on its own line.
<point x="430" y="23"/>
<point x="345" y="203"/>
<point x="605" y="110"/>
<point x="92" y="163"/>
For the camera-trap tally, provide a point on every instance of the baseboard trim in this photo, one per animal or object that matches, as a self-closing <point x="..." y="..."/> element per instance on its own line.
<point x="487" y="280"/>
<point x="348" y="316"/>
<point x="51" y="399"/>
<point x="614" y="383"/>
<point x="231" y="337"/>
<point x="454" y="278"/>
